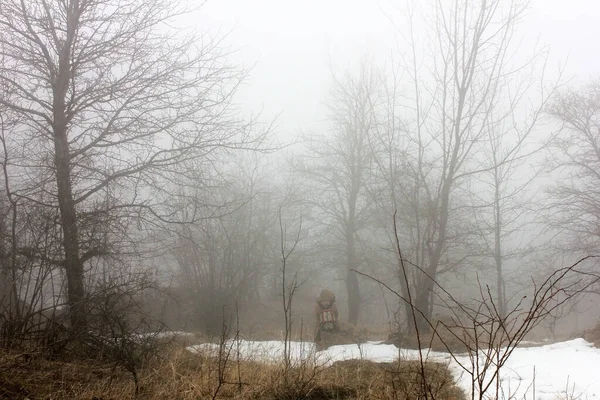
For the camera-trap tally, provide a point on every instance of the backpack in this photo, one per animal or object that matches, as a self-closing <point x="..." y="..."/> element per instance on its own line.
<point x="327" y="319"/>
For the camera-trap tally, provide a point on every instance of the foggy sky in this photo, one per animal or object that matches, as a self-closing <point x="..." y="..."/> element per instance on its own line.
<point x="293" y="44"/>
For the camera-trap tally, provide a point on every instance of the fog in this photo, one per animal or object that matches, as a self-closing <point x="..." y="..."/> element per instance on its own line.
<point x="232" y="161"/>
<point x="295" y="46"/>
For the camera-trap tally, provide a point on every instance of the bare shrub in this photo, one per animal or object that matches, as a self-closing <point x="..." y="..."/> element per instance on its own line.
<point x="487" y="334"/>
<point x="121" y="331"/>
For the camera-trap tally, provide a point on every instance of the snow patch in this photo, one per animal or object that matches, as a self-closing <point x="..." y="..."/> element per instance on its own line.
<point x="562" y="370"/>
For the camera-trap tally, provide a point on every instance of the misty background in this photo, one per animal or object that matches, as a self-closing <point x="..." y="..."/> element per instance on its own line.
<point x="294" y="47"/>
<point x="329" y="137"/>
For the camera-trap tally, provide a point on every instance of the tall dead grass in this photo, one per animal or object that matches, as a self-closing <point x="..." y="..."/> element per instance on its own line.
<point x="184" y="375"/>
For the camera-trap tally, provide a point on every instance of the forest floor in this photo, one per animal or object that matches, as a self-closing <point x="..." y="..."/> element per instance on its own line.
<point x="202" y="374"/>
<point x="258" y="370"/>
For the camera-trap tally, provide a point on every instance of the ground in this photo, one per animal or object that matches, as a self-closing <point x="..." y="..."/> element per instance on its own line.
<point x="199" y="373"/>
<point x="565" y="370"/>
<point x="257" y="370"/>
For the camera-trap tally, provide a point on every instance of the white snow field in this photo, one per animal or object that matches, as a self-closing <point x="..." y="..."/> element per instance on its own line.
<point x="567" y="370"/>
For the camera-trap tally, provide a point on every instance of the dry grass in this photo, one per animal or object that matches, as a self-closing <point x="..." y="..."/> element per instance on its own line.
<point x="183" y="375"/>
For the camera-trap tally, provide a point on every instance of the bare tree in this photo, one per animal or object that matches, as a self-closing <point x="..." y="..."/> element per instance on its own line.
<point x="488" y="338"/>
<point x="223" y="260"/>
<point x="112" y="102"/>
<point x="450" y="107"/>
<point x="234" y="257"/>
<point x="338" y="168"/>
<point x="574" y="206"/>
<point x="504" y="207"/>
<point x="391" y="187"/>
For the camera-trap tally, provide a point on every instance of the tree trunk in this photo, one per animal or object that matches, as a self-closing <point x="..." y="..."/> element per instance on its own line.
<point x="501" y="299"/>
<point x="352" y="278"/>
<point x="68" y="219"/>
<point x="425" y="291"/>
<point x="353" y="297"/>
<point x="62" y="163"/>
<point x="423" y="306"/>
<point x="405" y="290"/>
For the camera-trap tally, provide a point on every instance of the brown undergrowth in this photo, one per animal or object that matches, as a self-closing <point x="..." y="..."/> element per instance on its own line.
<point x="183" y="375"/>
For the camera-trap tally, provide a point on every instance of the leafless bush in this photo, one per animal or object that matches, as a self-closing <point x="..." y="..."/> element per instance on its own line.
<point x="31" y="282"/>
<point x="121" y="331"/>
<point x="228" y="349"/>
<point x="224" y="260"/>
<point x="487" y="334"/>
